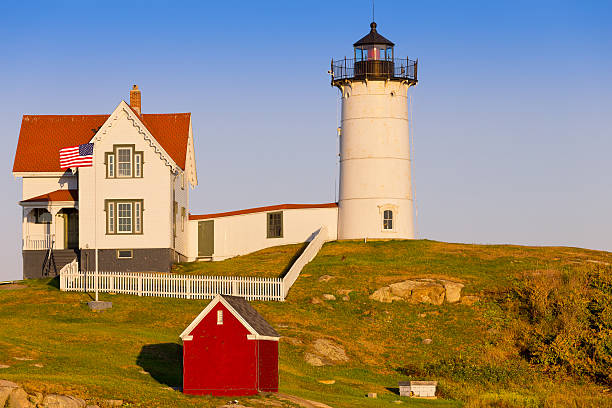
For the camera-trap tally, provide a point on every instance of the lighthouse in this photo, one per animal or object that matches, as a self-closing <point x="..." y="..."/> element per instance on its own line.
<point x="375" y="197"/>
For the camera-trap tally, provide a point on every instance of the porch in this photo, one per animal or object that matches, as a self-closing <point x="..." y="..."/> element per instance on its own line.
<point x="51" y="221"/>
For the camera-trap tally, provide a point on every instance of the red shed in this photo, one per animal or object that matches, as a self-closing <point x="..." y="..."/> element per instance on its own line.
<point x="229" y="349"/>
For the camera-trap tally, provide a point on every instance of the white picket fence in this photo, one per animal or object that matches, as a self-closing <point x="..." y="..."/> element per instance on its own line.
<point x="189" y="286"/>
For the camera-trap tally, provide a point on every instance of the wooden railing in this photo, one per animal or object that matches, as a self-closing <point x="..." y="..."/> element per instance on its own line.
<point x="38" y="241"/>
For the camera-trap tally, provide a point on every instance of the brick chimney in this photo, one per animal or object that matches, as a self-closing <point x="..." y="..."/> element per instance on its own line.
<point x="135" y="99"/>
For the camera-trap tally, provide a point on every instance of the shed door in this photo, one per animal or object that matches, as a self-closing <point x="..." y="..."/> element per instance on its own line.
<point x="206" y="238"/>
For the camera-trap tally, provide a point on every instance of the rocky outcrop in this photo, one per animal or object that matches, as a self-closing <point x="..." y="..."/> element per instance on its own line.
<point x="420" y="291"/>
<point x="325" y="352"/>
<point x="12" y="395"/>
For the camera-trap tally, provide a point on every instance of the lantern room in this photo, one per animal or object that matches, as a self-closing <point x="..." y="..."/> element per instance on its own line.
<point x="373" y="47"/>
<point x="373" y="58"/>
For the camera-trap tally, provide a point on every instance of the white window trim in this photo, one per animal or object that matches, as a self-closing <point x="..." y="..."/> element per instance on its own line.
<point x="220" y="317"/>
<point x="131" y="163"/>
<point x="394" y="209"/>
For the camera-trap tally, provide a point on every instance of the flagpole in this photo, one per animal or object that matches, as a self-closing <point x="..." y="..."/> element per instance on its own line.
<point x="95" y="216"/>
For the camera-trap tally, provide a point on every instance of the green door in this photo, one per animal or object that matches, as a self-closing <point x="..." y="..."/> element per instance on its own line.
<point x="71" y="229"/>
<point x="206" y="238"/>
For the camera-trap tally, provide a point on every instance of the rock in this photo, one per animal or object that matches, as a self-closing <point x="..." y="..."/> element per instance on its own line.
<point x="315" y="301"/>
<point x="113" y="403"/>
<point x="327" y="382"/>
<point x="427" y="341"/>
<point x="328" y="296"/>
<point x="404" y="289"/>
<point x="37" y="365"/>
<point x="143" y="372"/>
<point x="344" y="291"/>
<point x="329" y="350"/>
<point x="346" y="298"/>
<point x="23" y="358"/>
<point x="384" y="295"/>
<point x="37" y="398"/>
<point x="422" y="314"/>
<point x="4" y="394"/>
<point x="326" y="278"/>
<point x="18" y="398"/>
<point x="397" y="402"/>
<point x="372" y="395"/>
<point x="469" y="300"/>
<point x="8" y="384"/>
<point x="313" y="360"/>
<point x="62" y="401"/>
<point x="4" y="366"/>
<point x="428" y="292"/>
<point x="453" y="290"/>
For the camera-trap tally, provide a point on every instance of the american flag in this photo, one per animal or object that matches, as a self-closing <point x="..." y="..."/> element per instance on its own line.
<point x="77" y="156"/>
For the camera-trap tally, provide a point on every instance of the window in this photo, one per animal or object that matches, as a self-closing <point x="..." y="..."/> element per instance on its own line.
<point x="42" y="216"/>
<point x="124" y="216"/>
<point x="387" y="220"/>
<point x="110" y="165"/>
<point x="219" y="316"/>
<point x="124" y="254"/>
<point x="182" y="218"/>
<point x="124" y="162"/>
<point x="275" y="224"/>
<point x="137" y="164"/>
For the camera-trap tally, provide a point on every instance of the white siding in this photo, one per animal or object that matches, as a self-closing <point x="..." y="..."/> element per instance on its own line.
<point x="154" y="188"/>
<point x="181" y="196"/>
<point x="242" y="234"/>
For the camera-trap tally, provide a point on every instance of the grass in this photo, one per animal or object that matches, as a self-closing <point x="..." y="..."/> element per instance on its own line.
<point x="101" y="355"/>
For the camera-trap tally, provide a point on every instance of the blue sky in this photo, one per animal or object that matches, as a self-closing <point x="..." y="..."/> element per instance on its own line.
<point x="512" y="115"/>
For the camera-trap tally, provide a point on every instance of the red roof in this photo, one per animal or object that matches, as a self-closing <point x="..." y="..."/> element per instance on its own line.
<point x="262" y="209"/>
<point x="57" y="195"/>
<point x="42" y="136"/>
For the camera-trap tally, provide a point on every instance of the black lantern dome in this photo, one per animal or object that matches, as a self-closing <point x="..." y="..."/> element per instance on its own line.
<point x="373" y="59"/>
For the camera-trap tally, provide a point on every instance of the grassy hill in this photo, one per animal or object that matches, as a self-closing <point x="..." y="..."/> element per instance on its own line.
<point x="523" y="344"/>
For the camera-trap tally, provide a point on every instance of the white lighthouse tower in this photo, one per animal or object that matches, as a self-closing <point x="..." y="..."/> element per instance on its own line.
<point x="375" y="199"/>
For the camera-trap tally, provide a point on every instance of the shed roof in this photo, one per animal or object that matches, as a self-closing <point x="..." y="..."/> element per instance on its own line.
<point x="262" y="209"/>
<point x="57" y="195"/>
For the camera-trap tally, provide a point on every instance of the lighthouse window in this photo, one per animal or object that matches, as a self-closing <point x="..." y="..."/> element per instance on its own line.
<point x="388" y="220"/>
<point x="275" y="224"/>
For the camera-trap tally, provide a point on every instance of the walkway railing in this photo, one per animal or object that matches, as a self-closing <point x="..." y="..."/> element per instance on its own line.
<point x="308" y="255"/>
<point x="38" y="241"/>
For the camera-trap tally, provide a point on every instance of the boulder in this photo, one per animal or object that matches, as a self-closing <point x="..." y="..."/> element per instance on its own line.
<point x="453" y="291"/>
<point x="328" y="296"/>
<point x="18" y="399"/>
<point x="428" y="292"/>
<point x="404" y="289"/>
<point x="8" y="384"/>
<point x="62" y="401"/>
<point x="427" y="341"/>
<point x="326" y="278"/>
<point x="315" y="301"/>
<point x="384" y="295"/>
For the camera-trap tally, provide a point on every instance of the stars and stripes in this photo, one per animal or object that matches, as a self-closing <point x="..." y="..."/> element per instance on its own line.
<point x="77" y="156"/>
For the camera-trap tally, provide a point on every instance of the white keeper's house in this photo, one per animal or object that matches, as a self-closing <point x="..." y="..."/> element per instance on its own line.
<point x="132" y="203"/>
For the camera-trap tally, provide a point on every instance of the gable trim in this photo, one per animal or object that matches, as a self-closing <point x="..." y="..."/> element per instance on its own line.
<point x="186" y="334"/>
<point x="142" y="130"/>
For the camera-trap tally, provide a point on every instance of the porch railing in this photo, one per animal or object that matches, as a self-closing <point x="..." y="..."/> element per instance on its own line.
<point x="39" y="241"/>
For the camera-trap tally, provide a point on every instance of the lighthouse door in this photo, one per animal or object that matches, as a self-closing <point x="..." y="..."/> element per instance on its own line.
<point x="206" y="238"/>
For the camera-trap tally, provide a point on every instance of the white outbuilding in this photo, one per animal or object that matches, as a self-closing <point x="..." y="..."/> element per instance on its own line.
<point x="419" y="389"/>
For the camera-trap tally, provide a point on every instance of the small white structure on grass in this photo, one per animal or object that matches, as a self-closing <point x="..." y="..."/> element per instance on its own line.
<point x="418" y="388"/>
